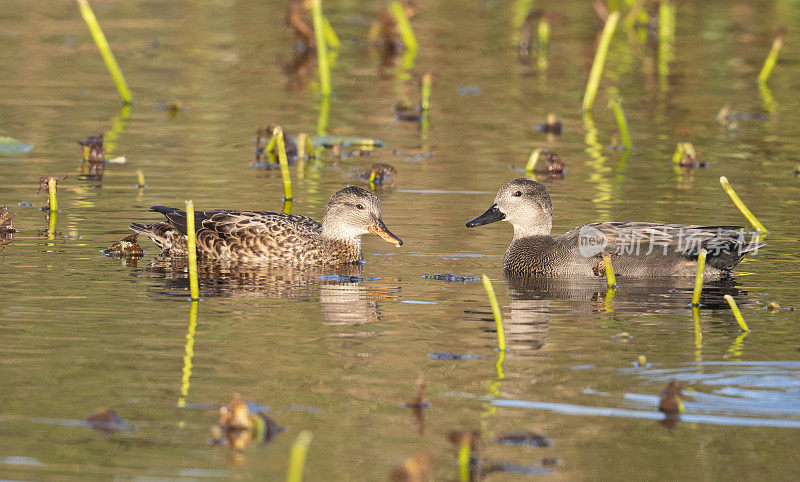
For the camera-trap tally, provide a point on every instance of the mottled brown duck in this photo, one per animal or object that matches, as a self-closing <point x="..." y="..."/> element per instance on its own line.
<point x="267" y="237"/>
<point x="637" y="249"/>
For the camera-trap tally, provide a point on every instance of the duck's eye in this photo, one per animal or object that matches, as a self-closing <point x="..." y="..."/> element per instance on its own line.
<point x="360" y="206"/>
<point x="518" y="193"/>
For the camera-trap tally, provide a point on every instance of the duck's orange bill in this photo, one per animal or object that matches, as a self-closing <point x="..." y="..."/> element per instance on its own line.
<point x="379" y="229"/>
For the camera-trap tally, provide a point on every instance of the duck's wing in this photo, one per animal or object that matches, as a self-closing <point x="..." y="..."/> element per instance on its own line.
<point x="726" y="245"/>
<point x="228" y="221"/>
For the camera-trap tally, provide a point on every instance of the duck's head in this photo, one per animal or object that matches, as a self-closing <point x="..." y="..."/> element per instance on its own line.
<point x="352" y="212"/>
<point x="523" y="203"/>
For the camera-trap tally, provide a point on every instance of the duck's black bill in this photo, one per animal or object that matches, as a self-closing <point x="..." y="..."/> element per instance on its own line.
<point x="379" y="229"/>
<point x="492" y="215"/>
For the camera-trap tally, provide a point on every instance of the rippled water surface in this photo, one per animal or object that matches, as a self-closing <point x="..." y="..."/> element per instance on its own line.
<point x="340" y="356"/>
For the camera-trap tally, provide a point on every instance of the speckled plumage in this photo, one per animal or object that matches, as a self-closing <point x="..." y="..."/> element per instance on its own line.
<point x="268" y="237"/>
<point x="637" y="249"/>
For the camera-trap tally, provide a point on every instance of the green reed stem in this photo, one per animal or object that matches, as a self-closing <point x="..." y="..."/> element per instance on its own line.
<point x="739" y="204"/>
<point x="191" y="249"/>
<point x="612" y="280"/>
<point x="330" y="34"/>
<point x="698" y="279"/>
<point x="51" y="225"/>
<point x="372" y="179"/>
<point x="678" y="155"/>
<point x="140" y="179"/>
<point x="287" y="180"/>
<point x="270" y="147"/>
<point x="105" y="51"/>
<point x="772" y="58"/>
<point x="544" y="42"/>
<point x="498" y="318"/>
<point x="322" y="48"/>
<point x="736" y="313"/>
<point x="532" y="160"/>
<point x="51" y="189"/>
<point x="297" y="456"/>
<point x="599" y="61"/>
<point x="464" y="450"/>
<point x="406" y="32"/>
<point x="425" y="103"/>
<point x="622" y="123"/>
<point x="188" y="354"/>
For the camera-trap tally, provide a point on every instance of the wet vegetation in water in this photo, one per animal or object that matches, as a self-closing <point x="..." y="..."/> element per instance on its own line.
<point x="399" y="364"/>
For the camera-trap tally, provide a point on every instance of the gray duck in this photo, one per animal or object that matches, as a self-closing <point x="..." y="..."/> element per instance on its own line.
<point x="267" y="237"/>
<point x="637" y="249"/>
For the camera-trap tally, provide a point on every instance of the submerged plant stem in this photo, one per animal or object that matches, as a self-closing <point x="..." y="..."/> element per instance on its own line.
<point x="698" y="279"/>
<point x="736" y="313"/>
<point x="322" y="48"/>
<point x="772" y="58"/>
<point x="105" y="51"/>
<point x="739" y="204"/>
<point x="191" y="248"/>
<point x="599" y="61"/>
<point x="297" y="456"/>
<point x="406" y="32"/>
<point x="498" y="318"/>
<point x="140" y="178"/>
<point x="622" y="123"/>
<point x="287" y="179"/>
<point x="464" y="450"/>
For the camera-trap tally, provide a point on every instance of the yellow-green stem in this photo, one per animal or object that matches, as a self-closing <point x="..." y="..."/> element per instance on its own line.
<point x="544" y="42"/>
<point x="191" y="248"/>
<point x="140" y="178"/>
<point x="322" y="48"/>
<point x="287" y="180"/>
<point x="612" y="280"/>
<point x="599" y="61"/>
<point x="105" y="51"/>
<point x="51" y="189"/>
<point x="698" y="279"/>
<point x="425" y="103"/>
<point x="678" y="155"/>
<point x="736" y="313"/>
<point x="372" y="179"/>
<point x="464" y="450"/>
<point x="51" y="226"/>
<point x="330" y="34"/>
<point x="771" y="60"/>
<point x="532" y="160"/>
<point x="188" y="354"/>
<point x="498" y="318"/>
<point x="403" y="25"/>
<point x="622" y="123"/>
<point x="297" y="456"/>
<point x="739" y="204"/>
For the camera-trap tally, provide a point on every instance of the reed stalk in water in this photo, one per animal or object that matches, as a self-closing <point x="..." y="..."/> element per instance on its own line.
<point x="610" y="277"/>
<point x="736" y="313"/>
<point x="140" y="179"/>
<point x="698" y="279"/>
<point x="330" y="34"/>
<point x="297" y="457"/>
<point x="544" y="42"/>
<point x="191" y="249"/>
<point x="51" y="189"/>
<point x="105" y="51"/>
<point x="622" y="123"/>
<point x="532" y="160"/>
<point x="599" y="61"/>
<point x="739" y="204"/>
<point x="322" y="48"/>
<point x="464" y="452"/>
<point x="287" y="180"/>
<point x="772" y="58"/>
<point x="404" y="26"/>
<point x="498" y="318"/>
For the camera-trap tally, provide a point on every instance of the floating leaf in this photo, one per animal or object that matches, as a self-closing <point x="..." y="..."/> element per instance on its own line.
<point x="10" y="146"/>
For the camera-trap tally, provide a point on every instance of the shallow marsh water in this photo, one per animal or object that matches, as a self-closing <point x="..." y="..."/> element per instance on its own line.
<point x="80" y="331"/>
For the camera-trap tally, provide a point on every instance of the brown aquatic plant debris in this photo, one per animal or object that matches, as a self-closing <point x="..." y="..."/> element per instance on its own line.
<point x="524" y="437"/>
<point x="670" y="402"/>
<point x="44" y="180"/>
<point x="601" y="10"/>
<point x="237" y="427"/>
<point x="550" y="163"/>
<point x="125" y="247"/>
<point x="6" y="221"/>
<point x="419" y="393"/>
<point x="777" y="42"/>
<point x="418" y="468"/>
<point x="526" y="31"/>
<point x="383" y="172"/>
<point x="296" y="19"/>
<point x="390" y="39"/>
<point x="104" y="421"/>
<point x="551" y="125"/>
<point x="773" y="307"/>
<point x="94" y="158"/>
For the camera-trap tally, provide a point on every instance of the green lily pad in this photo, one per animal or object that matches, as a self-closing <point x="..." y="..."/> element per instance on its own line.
<point x="10" y="146"/>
